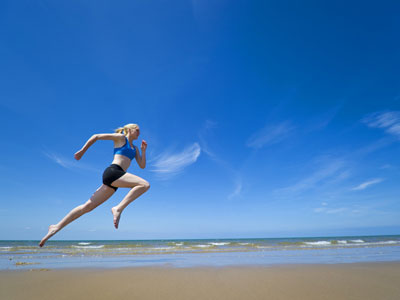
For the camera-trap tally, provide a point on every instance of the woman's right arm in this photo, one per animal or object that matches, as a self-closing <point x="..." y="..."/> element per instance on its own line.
<point x="104" y="136"/>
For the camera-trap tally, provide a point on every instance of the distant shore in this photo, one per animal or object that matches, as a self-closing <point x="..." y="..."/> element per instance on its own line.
<point x="336" y="281"/>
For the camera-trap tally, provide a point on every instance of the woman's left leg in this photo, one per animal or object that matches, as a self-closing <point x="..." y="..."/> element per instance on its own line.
<point x="100" y="196"/>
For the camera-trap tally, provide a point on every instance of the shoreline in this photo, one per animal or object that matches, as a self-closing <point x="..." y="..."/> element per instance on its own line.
<point x="199" y="267"/>
<point x="17" y="255"/>
<point x="371" y="280"/>
<point x="218" y="259"/>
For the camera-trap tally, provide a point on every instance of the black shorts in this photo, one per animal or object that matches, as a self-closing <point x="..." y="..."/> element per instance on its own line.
<point x="112" y="173"/>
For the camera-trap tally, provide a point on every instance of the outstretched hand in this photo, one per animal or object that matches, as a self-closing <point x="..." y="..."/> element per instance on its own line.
<point x="78" y="155"/>
<point x="144" y="145"/>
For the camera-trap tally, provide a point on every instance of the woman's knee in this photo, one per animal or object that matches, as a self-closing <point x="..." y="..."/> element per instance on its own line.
<point x="88" y="206"/>
<point x="146" y="185"/>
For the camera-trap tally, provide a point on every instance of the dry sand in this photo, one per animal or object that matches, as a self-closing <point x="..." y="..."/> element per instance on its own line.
<point x="341" y="281"/>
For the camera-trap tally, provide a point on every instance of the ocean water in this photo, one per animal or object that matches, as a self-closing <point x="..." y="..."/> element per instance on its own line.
<point x="202" y="252"/>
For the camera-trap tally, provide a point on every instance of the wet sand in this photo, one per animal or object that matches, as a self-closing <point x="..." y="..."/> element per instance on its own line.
<point x="339" y="281"/>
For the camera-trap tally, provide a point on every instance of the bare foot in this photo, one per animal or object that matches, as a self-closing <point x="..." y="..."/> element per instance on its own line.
<point x="52" y="231"/>
<point x="117" y="215"/>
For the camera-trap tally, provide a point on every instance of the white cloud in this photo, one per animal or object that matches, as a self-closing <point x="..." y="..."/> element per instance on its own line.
<point x="322" y="120"/>
<point x="374" y="146"/>
<point x="364" y="185"/>
<point x="208" y="125"/>
<point x="336" y="210"/>
<point x="330" y="210"/>
<point x="62" y="162"/>
<point x="168" y="163"/>
<point x="332" y="169"/>
<point x="389" y="121"/>
<point x="394" y="129"/>
<point x="68" y="163"/>
<point x="387" y="166"/>
<point x="319" y="209"/>
<point x="270" y="134"/>
<point x="238" y="188"/>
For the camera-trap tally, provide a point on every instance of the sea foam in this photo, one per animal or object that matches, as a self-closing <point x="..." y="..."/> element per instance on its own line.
<point x="88" y="247"/>
<point x="319" y="243"/>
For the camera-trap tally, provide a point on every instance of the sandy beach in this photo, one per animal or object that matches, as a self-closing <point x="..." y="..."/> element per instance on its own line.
<point x="337" y="281"/>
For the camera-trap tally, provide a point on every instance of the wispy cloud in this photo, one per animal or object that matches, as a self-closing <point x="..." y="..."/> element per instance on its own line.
<point x="270" y="134"/>
<point x="330" y="210"/>
<point x="68" y="163"/>
<point x="332" y="170"/>
<point x="389" y="121"/>
<point x="238" y="188"/>
<point x="387" y="166"/>
<point x="322" y="120"/>
<point x="59" y="160"/>
<point x="374" y="146"/>
<point x="364" y="185"/>
<point x="207" y="127"/>
<point x="168" y="163"/>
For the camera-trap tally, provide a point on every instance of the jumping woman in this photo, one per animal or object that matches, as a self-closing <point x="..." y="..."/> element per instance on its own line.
<point x="114" y="176"/>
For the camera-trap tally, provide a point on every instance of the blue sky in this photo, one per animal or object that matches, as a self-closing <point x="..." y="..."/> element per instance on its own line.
<point x="263" y="119"/>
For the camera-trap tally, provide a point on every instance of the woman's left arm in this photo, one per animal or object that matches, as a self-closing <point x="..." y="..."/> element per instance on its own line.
<point x="141" y="159"/>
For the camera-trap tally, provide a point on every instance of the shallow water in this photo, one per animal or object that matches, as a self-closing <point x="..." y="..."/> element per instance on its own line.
<point x="205" y="252"/>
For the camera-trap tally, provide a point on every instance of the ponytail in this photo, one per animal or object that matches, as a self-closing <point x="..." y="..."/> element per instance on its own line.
<point x="124" y="130"/>
<point x="119" y="130"/>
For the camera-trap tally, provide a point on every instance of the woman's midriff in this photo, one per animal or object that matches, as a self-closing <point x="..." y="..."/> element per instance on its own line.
<point x="122" y="161"/>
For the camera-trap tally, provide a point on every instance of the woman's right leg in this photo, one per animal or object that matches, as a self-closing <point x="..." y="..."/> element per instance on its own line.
<point x="102" y="194"/>
<point x="138" y="186"/>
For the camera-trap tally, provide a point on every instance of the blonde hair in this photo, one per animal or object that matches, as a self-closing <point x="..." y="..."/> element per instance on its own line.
<point x="124" y="129"/>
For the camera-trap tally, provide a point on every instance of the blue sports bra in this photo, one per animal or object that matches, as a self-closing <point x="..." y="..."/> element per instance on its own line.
<point x="126" y="150"/>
